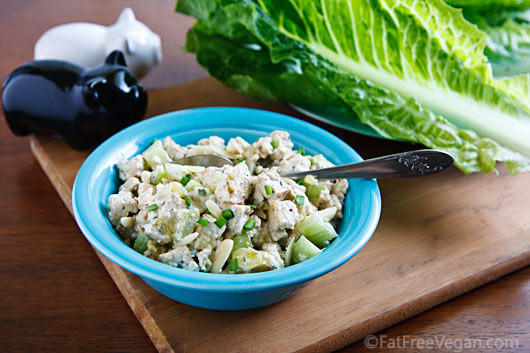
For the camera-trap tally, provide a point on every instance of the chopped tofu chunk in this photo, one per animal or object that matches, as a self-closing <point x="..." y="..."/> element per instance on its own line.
<point x="212" y="141"/>
<point x="269" y="186"/>
<point x="234" y="187"/>
<point x="212" y="177"/>
<point x="209" y="235"/>
<point x="241" y="216"/>
<point x="131" y="167"/>
<point x="263" y="147"/>
<point x="294" y="162"/>
<point x="121" y="205"/>
<point x="179" y="257"/>
<point x="205" y="263"/>
<point x="285" y="146"/>
<point x="146" y="195"/>
<point x="339" y="188"/>
<point x="274" y="249"/>
<point x="130" y="185"/>
<point x="237" y="146"/>
<point x="282" y="215"/>
<point x="174" y="150"/>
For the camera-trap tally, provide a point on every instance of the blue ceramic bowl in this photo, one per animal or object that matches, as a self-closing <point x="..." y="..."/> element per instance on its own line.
<point x="97" y="179"/>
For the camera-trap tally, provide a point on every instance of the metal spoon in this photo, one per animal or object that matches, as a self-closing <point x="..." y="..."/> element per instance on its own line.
<point x="407" y="164"/>
<point x="205" y="160"/>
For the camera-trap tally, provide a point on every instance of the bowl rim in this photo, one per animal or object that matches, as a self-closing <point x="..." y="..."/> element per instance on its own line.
<point x="147" y="268"/>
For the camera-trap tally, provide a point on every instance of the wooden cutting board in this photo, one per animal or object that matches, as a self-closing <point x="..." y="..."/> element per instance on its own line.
<point x="438" y="237"/>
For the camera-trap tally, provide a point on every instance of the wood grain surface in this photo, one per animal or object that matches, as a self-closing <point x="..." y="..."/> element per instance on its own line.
<point x="55" y="294"/>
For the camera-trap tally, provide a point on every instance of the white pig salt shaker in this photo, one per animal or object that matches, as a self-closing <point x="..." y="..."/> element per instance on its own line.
<point x="88" y="44"/>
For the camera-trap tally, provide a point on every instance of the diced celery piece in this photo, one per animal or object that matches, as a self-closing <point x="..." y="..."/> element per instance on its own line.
<point x="177" y="187"/>
<point x="154" y="250"/>
<point x="187" y="225"/>
<point x="156" y="154"/>
<point x="241" y="241"/>
<point x="289" y="252"/>
<point x="140" y="244"/>
<point x="303" y="250"/>
<point x="251" y="166"/>
<point x="317" y="230"/>
<point x="192" y="184"/>
<point x="159" y="173"/>
<point x="313" y="191"/>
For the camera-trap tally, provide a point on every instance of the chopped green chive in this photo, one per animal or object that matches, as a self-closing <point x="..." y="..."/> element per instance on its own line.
<point x="228" y="214"/>
<point x="312" y="160"/>
<point x="240" y="160"/>
<point x="207" y="212"/>
<point x="187" y="199"/>
<point x="301" y="151"/>
<point x="203" y="222"/>
<point x="275" y="143"/>
<point x="232" y="264"/>
<point x="252" y="206"/>
<point x="185" y="179"/>
<point x="268" y="190"/>
<point x="300" y="181"/>
<point x="299" y="200"/>
<point x="250" y="224"/>
<point x="152" y="207"/>
<point x="220" y="222"/>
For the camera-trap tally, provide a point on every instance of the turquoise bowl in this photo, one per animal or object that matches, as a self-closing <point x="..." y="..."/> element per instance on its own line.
<point x="98" y="178"/>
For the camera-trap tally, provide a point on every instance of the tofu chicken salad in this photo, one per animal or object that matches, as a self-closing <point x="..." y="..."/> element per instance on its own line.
<point x="234" y="219"/>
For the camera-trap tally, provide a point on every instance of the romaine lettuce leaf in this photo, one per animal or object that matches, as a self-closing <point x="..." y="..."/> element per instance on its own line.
<point x="508" y="43"/>
<point x="488" y="4"/>
<point x="412" y="70"/>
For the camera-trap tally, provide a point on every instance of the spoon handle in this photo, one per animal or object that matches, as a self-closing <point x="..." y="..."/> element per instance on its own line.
<point x="407" y="164"/>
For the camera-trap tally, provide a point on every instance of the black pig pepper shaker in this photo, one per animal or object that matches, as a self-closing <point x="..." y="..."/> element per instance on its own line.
<point x="84" y="105"/>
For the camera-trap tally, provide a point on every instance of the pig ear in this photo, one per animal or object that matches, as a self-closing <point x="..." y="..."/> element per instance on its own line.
<point x="129" y="44"/>
<point x="116" y="58"/>
<point x="127" y="15"/>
